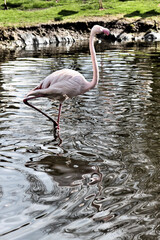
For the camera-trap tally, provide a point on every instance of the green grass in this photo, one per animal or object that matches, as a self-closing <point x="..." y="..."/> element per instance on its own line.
<point x="31" y="12"/>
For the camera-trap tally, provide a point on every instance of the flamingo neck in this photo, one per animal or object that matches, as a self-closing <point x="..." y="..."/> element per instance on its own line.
<point x="95" y="79"/>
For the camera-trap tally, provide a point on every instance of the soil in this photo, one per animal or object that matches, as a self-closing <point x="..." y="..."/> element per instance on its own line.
<point x="122" y="29"/>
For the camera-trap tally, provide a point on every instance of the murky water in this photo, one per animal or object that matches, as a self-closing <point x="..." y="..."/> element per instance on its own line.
<point x="103" y="181"/>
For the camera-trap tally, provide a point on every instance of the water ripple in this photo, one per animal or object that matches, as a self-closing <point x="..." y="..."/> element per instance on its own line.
<point x="103" y="180"/>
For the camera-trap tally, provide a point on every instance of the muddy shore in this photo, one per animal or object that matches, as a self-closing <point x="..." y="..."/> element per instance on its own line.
<point x="46" y="34"/>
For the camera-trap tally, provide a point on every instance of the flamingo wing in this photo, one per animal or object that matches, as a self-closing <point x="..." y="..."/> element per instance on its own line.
<point x="61" y="85"/>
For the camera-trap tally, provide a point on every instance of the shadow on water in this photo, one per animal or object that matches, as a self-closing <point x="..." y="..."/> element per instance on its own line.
<point x="102" y="182"/>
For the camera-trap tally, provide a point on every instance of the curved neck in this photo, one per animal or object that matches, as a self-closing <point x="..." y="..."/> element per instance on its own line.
<point x="95" y="79"/>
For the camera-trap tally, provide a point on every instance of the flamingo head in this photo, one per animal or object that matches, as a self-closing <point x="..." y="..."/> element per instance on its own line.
<point x="97" y="29"/>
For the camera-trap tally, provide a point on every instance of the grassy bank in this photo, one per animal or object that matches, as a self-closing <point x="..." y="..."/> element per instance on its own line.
<point x="31" y="12"/>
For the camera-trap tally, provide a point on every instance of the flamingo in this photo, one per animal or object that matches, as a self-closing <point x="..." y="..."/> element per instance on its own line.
<point x="67" y="83"/>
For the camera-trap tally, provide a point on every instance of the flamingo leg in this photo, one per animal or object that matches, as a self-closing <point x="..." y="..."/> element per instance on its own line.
<point x="30" y="105"/>
<point x="59" y="113"/>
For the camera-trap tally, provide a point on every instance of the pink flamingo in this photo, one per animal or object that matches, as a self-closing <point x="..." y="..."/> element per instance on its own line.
<point x="67" y="83"/>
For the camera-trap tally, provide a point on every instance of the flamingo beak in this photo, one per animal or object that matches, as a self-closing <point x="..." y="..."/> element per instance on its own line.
<point x="106" y="31"/>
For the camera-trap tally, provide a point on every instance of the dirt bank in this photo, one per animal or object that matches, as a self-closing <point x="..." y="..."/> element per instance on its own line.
<point x="45" y="34"/>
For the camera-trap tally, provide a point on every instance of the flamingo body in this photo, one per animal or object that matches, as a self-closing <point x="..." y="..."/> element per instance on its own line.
<point x="62" y="84"/>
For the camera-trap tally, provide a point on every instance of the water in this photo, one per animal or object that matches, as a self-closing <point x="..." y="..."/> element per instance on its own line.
<point x="103" y="181"/>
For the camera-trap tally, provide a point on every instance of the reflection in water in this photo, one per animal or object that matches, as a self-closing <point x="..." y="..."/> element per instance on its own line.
<point x="102" y="182"/>
<point x="64" y="172"/>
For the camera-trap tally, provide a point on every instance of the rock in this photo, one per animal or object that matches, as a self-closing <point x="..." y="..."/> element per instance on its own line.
<point x="45" y="34"/>
<point x="152" y="36"/>
<point x="124" y="37"/>
<point x="27" y="38"/>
